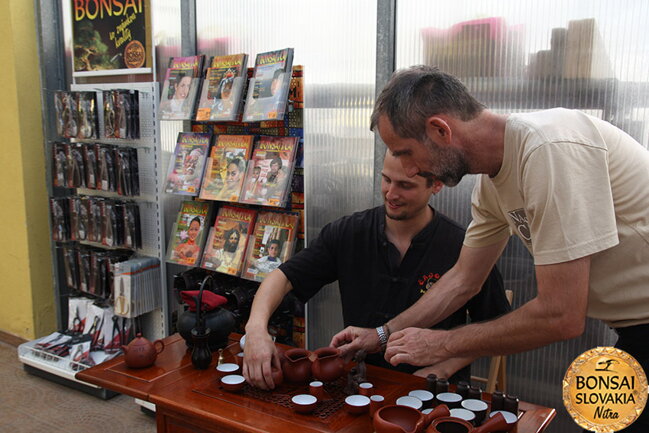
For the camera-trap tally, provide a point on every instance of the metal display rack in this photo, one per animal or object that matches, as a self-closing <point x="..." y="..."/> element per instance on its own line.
<point x="154" y="323"/>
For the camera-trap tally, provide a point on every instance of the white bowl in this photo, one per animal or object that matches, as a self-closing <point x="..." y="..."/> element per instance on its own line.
<point x="227" y="368"/>
<point x="304" y="403"/>
<point x="408" y="400"/>
<point x="422" y="394"/>
<point x="233" y="382"/>
<point x="304" y="399"/>
<point x="464" y="414"/>
<point x="242" y="342"/>
<point x="357" y="404"/>
<point x="509" y="416"/>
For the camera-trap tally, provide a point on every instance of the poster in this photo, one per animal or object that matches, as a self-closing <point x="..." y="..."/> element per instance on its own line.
<point x="111" y="37"/>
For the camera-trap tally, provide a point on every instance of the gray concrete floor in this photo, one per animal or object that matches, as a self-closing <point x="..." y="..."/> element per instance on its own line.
<point x="31" y="404"/>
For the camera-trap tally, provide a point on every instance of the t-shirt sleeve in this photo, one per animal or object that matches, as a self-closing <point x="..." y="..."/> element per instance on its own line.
<point x="488" y="225"/>
<point x="569" y="202"/>
<point x="314" y="266"/>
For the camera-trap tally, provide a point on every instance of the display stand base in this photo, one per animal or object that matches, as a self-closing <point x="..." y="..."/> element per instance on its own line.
<point x="102" y="393"/>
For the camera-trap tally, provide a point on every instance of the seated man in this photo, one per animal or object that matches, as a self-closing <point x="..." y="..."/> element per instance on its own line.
<point x="384" y="259"/>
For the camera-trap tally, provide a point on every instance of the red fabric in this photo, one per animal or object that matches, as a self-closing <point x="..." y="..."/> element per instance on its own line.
<point x="209" y="302"/>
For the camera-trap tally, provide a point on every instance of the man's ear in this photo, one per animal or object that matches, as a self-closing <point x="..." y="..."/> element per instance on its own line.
<point x="437" y="186"/>
<point x="438" y="130"/>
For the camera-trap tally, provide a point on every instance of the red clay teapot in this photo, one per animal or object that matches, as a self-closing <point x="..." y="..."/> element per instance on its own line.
<point x="327" y="366"/>
<point x="405" y="419"/>
<point x="296" y="365"/>
<point x="141" y="353"/>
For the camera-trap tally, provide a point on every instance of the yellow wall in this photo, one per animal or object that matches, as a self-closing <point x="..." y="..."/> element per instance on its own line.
<point x="26" y="288"/>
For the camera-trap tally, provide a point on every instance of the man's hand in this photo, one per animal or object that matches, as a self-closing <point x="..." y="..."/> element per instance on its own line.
<point x="352" y="339"/>
<point x="445" y="368"/>
<point x="259" y="354"/>
<point x="416" y="346"/>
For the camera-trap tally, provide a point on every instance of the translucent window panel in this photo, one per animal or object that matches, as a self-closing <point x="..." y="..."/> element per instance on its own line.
<point x="521" y="56"/>
<point x="166" y="33"/>
<point x="335" y="41"/>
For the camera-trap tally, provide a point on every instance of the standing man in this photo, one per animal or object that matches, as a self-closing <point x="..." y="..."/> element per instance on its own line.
<point x="384" y="259"/>
<point x="572" y="187"/>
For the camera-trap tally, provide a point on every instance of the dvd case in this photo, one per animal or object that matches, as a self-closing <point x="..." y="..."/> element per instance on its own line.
<point x="267" y="180"/>
<point x="228" y="239"/>
<point x="180" y="87"/>
<point x="268" y="89"/>
<point x="226" y="168"/>
<point x="187" y="162"/>
<point x="223" y="88"/>
<point x="188" y="235"/>
<point x="273" y="243"/>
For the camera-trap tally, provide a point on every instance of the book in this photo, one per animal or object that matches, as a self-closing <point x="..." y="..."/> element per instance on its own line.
<point x="186" y="165"/>
<point x="269" y="85"/>
<point x="222" y="91"/>
<point x="272" y="243"/>
<point x="228" y="239"/>
<point x="189" y="233"/>
<point x="226" y="168"/>
<point x="269" y="171"/>
<point x="180" y="87"/>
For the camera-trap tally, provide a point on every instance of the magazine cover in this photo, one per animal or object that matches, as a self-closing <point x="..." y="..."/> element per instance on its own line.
<point x="223" y="88"/>
<point x="187" y="162"/>
<point x="180" y="87"/>
<point x="268" y="89"/>
<point x="188" y="234"/>
<point x="178" y="94"/>
<point x="108" y="38"/>
<point x="226" y="168"/>
<point x="228" y="239"/>
<point x="272" y="243"/>
<point x="269" y="172"/>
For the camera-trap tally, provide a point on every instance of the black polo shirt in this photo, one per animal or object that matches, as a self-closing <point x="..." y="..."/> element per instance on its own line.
<point x="374" y="285"/>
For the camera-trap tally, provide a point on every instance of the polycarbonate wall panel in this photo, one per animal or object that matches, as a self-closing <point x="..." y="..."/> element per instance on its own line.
<point x="167" y="26"/>
<point x="335" y="41"/>
<point x="519" y="56"/>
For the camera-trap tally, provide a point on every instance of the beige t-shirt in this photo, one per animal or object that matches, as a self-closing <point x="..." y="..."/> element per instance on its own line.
<point x="571" y="186"/>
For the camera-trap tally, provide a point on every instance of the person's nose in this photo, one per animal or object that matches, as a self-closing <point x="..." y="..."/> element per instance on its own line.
<point x="392" y="192"/>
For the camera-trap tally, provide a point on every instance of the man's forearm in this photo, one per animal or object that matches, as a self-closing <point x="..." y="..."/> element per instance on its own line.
<point x="526" y="328"/>
<point x="268" y="297"/>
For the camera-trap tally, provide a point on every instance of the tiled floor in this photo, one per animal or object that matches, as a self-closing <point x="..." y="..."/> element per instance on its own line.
<point x="32" y="404"/>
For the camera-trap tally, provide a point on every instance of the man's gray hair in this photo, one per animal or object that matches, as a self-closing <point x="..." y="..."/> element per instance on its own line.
<point x="414" y="94"/>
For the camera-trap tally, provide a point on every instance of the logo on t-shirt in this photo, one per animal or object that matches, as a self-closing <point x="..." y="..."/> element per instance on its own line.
<point x="519" y="218"/>
<point x="426" y="281"/>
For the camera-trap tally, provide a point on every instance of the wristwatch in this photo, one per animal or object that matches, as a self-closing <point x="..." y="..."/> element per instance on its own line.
<point x="383" y="335"/>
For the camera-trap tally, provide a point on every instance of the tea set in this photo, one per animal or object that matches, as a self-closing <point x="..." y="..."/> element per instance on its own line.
<point x="413" y="413"/>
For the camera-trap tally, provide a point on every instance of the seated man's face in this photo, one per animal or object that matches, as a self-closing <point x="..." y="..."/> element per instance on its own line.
<point x="404" y="197"/>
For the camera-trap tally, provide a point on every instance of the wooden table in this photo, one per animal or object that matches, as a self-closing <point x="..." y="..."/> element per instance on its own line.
<point x="190" y="400"/>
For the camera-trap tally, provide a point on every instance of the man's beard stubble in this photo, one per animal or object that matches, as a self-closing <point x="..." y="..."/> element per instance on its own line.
<point x="451" y="164"/>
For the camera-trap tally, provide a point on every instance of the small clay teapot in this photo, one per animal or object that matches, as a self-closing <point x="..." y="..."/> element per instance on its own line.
<point x="405" y="419"/>
<point x="496" y="423"/>
<point x="296" y="366"/>
<point x="141" y="353"/>
<point x="327" y="366"/>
